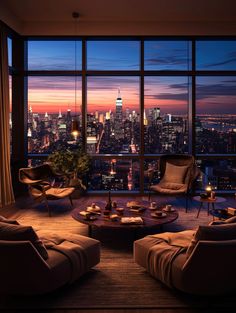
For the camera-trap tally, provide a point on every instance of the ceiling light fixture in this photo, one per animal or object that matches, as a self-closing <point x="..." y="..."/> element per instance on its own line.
<point x="75" y="123"/>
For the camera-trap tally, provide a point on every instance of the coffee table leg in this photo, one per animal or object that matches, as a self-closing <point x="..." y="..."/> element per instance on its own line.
<point x="90" y="231"/>
<point x="199" y="209"/>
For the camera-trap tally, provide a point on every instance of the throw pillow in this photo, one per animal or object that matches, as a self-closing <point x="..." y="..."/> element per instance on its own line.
<point x="213" y="233"/>
<point x="175" y="174"/>
<point x="9" y="221"/>
<point x="22" y="233"/>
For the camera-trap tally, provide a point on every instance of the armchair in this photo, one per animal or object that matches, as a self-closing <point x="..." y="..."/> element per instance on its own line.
<point x="40" y="187"/>
<point x="26" y="270"/>
<point x="197" y="262"/>
<point x="177" y="175"/>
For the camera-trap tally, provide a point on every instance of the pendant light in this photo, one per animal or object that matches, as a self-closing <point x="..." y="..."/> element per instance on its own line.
<point x="75" y="123"/>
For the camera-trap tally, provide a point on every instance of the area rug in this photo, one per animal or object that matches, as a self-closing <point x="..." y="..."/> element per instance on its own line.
<point x="117" y="282"/>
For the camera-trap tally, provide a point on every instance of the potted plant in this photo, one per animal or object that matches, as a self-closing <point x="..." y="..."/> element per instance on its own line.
<point x="73" y="165"/>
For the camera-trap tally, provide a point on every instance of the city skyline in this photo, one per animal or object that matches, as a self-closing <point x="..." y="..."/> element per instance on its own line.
<point x="48" y="94"/>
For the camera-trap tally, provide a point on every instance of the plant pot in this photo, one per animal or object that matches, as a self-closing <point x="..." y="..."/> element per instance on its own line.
<point x="78" y="193"/>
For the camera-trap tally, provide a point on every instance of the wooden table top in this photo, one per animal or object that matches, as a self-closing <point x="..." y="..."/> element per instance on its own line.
<point x="104" y="222"/>
<point x="209" y="200"/>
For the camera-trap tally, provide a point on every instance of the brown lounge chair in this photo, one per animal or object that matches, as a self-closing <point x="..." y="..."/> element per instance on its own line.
<point x="38" y="180"/>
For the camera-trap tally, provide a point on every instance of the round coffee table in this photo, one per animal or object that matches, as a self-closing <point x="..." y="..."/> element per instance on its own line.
<point x="208" y="201"/>
<point x="104" y="222"/>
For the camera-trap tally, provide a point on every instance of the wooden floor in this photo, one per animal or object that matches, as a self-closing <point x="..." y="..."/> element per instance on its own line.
<point x="21" y="210"/>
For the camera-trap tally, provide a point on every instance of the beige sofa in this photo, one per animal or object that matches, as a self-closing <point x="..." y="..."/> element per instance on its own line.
<point x="198" y="262"/>
<point x="29" y="268"/>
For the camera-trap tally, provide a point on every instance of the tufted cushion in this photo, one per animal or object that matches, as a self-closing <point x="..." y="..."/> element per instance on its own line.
<point x="175" y="174"/>
<point x="213" y="233"/>
<point x="12" y="232"/>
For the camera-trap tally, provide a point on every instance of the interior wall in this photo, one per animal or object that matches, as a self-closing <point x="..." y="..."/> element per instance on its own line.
<point x="130" y="28"/>
<point x="9" y="19"/>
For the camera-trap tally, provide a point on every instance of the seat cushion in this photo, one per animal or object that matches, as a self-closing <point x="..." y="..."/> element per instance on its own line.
<point x="59" y="192"/>
<point x="174" y="173"/>
<point x="220" y="232"/>
<point x="90" y="246"/>
<point x="169" y="188"/>
<point x="11" y="232"/>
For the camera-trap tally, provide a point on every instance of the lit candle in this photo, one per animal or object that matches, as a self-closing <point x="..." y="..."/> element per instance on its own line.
<point x="208" y="191"/>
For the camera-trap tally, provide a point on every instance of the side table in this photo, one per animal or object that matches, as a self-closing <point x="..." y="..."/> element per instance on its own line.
<point x="208" y="201"/>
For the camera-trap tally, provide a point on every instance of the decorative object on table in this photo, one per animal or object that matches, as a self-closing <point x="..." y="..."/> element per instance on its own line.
<point x="132" y="220"/>
<point x="137" y="209"/>
<point x="208" y="191"/>
<point x="168" y="208"/>
<point x="73" y="164"/>
<point x="88" y="215"/>
<point x="133" y="204"/>
<point x="153" y="205"/>
<point x="108" y="206"/>
<point x="158" y="214"/>
<point x="120" y="211"/>
<point x="213" y="195"/>
<point x="114" y="217"/>
<point x="114" y="204"/>
<point x="94" y="208"/>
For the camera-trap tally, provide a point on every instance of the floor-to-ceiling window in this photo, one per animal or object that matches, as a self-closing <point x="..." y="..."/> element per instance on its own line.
<point x="216" y="111"/>
<point x="134" y="99"/>
<point x="54" y="95"/>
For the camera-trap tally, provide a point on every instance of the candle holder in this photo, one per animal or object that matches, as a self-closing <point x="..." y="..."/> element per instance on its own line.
<point x="208" y="191"/>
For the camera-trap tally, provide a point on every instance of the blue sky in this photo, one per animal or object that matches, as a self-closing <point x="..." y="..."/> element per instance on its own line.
<point x="214" y="94"/>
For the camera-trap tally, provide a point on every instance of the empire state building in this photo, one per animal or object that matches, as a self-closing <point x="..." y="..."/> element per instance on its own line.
<point x="119" y="131"/>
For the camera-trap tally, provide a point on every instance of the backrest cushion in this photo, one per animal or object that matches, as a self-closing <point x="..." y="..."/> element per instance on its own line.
<point x="39" y="172"/>
<point x="11" y="232"/>
<point x="213" y="233"/>
<point x="9" y="221"/>
<point x="174" y="173"/>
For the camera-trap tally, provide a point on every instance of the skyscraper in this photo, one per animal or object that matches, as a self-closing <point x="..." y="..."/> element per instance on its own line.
<point x="156" y="113"/>
<point x="119" y="134"/>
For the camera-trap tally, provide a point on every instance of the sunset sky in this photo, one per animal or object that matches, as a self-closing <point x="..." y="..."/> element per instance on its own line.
<point x="171" y="94"/>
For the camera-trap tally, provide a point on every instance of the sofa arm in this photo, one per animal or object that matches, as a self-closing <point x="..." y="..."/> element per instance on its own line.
<point x="22" y="267"/>
<point x="210" y="268"/>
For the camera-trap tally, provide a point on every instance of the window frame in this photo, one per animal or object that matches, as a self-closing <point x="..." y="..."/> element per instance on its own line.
<point x="192" y="74"/>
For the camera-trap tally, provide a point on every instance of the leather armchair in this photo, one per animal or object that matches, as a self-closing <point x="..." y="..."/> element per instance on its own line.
<point x="39" y="180"/>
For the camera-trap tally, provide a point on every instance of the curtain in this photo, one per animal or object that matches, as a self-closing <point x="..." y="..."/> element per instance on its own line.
<point x="6" y="190"/>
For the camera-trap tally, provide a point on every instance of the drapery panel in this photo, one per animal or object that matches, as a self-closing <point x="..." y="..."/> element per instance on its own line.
<point x="6" y="190"/>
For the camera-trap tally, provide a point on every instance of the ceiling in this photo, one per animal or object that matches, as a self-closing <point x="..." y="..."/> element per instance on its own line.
<point x="123" y="10"/>
<point x="123" y="16"/>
